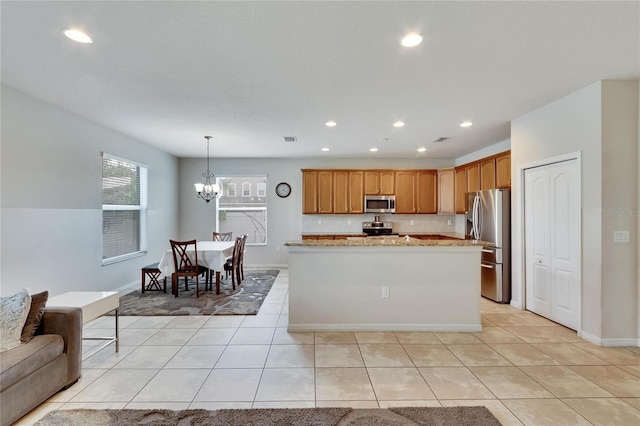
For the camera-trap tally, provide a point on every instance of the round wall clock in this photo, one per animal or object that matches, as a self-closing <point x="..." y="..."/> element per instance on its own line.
<point x="283" y="190"/>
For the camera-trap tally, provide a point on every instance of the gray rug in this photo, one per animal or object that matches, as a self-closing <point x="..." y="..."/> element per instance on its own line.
<point x="246" y="299"/>
<point x="402" y="416"/>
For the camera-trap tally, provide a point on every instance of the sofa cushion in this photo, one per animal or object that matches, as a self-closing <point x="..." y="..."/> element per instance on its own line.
<point x="38" y="302"/>
<point x="19" y="362"/>
<point x="13" y="315"/>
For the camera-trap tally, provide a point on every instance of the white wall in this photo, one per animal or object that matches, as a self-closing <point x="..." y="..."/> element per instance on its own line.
<point x="51" y="199"/>
<point x="285" y="219"/>
<point x="605" y="139"/>
<point x="484" y="152"/>
<point x="619" y="201"/>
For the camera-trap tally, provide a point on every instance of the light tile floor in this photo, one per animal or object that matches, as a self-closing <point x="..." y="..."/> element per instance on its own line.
<point x="522" y="367"/>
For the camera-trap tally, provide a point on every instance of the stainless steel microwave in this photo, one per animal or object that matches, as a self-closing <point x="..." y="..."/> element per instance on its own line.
<point x="379" y="203"/>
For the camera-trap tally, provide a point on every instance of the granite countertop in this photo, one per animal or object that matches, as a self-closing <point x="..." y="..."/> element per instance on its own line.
<point x="323" y="234"/>
<point x="373" y="241"/>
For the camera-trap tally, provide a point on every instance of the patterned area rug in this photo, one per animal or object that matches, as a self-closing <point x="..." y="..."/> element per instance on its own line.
<point x="246" y="299"/>
<point x="401" y="416"/>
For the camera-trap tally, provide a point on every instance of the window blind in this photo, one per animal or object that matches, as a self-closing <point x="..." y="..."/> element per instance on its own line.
<point x="124" y="189"/>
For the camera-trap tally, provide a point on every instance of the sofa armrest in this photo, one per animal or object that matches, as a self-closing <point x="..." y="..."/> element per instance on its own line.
<point x="67" y="322"/>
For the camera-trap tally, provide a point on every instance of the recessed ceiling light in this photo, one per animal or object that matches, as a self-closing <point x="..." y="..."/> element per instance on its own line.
<point x="398" y="124"/>
<point x="422" y="149"/>
<point x="77" y="35"/>
<point x="373" y="149"/>
<point x="330" y="124"/>
<point x="325" y="149"/>
<point x="411" y="40"/>
<point x="466" y="124"/>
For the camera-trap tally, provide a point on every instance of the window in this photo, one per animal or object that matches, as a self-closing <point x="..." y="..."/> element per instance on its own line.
<point x="243" y="214"/>
<point x="124" y="209"/>
<point x="246" y="189"/>
<point x="262" y="189"/>
<point x="231" y="189"/>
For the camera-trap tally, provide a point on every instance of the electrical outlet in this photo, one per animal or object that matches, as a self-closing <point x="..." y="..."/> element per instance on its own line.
<point x="411" y="222"/>
<point x="348" y="221"/>
<point x="385" y="291"/>
<point x="319" y="222"/>
<point x="449" y="222"/>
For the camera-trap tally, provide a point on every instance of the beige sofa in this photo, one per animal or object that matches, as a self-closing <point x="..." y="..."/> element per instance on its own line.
<point x="51" y="361"/>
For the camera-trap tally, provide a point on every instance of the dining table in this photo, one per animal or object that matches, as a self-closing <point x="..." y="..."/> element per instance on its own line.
<point x="211" y="254"/>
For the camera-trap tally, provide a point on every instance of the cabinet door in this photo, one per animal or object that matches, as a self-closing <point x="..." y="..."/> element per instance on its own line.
<point x="356" y="191"/>
<point x="446" y="182"/>
<point x="341" y="200"/>
<point x="405" y="191"/>
<point x="488" y="173"/>
<point x="461" y="189"/>
<point x="427" y="192"/>
<point x="371" y="182"/>
<point x="503" y="170"/>
<point x="309" y="192"/>
<point x="325" y="191"/>
<point x="473" y="177"/>
<point x="387" y="182"/>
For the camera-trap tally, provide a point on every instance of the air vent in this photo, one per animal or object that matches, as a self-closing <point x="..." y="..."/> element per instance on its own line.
<point x="290" y="138"/>
<point x="440" y="139"/>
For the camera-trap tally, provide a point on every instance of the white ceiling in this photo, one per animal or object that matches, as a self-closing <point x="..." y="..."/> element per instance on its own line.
<point x="249" y="73"/>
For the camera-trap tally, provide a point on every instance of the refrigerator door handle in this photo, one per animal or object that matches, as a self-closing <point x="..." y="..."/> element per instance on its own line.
<point x="484" y="265"/>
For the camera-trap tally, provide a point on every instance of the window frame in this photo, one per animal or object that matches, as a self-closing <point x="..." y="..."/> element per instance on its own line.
<point x="142" y="207"/>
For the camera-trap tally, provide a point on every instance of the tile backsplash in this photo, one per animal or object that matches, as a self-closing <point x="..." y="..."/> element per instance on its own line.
<point x="402" y="223"/>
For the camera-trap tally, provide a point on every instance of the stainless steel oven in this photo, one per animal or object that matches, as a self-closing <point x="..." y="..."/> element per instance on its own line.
<point x="379" y="203"/>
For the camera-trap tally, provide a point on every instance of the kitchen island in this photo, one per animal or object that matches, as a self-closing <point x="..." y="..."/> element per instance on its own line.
<point x="384" y="284"/>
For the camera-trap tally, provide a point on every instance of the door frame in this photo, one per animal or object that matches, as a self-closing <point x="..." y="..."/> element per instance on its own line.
<point x="520" y="205"/>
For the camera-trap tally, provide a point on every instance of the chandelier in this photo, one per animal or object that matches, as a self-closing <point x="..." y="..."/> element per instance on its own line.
<point x="207" y="191"/>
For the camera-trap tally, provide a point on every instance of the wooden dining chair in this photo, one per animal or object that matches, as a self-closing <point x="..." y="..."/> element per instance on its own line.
<point x="185" y="266"/>
<point x="222" y="236"/>
<point x="233" y="265"/>
<point x="241" y="261"/>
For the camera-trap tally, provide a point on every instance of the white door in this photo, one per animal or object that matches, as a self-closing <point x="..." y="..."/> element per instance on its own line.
<point x="552" y="242"/>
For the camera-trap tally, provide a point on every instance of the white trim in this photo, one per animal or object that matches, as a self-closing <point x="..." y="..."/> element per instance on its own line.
<point x="590" y="338"/>
<point x="521" y="168"/>
<point x="124" y="160"/>
<point x="621" y="342"/>
<point x="385" y="327"/>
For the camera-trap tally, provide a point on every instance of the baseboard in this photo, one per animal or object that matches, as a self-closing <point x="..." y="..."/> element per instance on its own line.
<point x="385" y="327"/>
<point x="596" y="340"/>
<point x="517" y="304"/>
<point x="621" y="342"/>
<point x="128" y="288"/>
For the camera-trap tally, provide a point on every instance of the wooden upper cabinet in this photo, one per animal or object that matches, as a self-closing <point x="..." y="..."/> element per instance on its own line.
<point x="405" y="191"/>
<point x="379" y="182"/>
<point x="503" y="170"/>
<point x="387" y="182"/>
<point x="427" y="192"/>
<point x="461" y="189"/>
<point x="488" y="173"/>
<point x="341" y="199"/>
<point x="356" y="191"/>
<point x="348" y="191"/>
<point x="325" y="191"/>
<point x="446" y="183"/>
<point x="309" y="192"/>
<point x="473" y="177"/>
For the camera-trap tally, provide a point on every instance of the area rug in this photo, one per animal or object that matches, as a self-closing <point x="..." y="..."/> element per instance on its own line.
<point x="401" y="416"/>
<point x="246" y="299"/>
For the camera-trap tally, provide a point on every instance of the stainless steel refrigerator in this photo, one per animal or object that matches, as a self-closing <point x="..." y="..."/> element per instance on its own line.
<point x="489" y="219"/>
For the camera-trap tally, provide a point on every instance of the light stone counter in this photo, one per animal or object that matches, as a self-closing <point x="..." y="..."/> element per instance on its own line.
<point x="384" y="284"/>
<point x="385" y="241"/>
